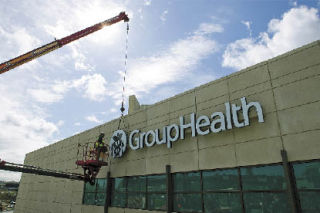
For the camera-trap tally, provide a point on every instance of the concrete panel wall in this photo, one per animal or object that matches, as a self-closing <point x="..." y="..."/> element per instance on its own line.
<point x="287" y="88"/>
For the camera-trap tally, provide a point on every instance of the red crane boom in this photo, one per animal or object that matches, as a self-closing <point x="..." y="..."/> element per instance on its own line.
<point x="8" y="65"/>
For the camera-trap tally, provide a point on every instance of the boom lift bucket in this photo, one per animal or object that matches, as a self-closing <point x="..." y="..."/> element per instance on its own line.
<point x="91" y="159"/>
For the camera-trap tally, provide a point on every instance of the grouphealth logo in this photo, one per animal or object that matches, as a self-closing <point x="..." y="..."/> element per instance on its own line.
<point x="197" y="125"/>
<point x="118" y="143"/>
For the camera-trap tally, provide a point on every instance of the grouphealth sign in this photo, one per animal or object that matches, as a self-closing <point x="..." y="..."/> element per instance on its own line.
<point x="202" y="125"/>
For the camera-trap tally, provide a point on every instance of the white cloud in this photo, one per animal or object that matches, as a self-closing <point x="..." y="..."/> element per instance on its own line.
<point x="45" y="95"/>
<point x="169" y="65"/>
<point x="114" y="110"/>
<point x="140" y="13"/>
<point x="147" y="2"/>
<point x="93" y="118"/>
<point x="163" y="16"/>
<point x="80" y="16"/>
<point x="208" y="28"/>
<point x="248" y="25"/>
<point x="80" y="60"/>
<point x="10" y="176"/>
<point x="92" y="87"/>
<point x="23" y="128"/>
<point x="18" y="39"/>
<point x="77" y="124"/>
<point x="297" y="27"/>
<point x="293" y="3"/>
<point x="60" y="123"/>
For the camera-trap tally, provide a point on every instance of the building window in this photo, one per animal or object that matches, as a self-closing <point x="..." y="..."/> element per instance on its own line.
<point x="249" y="189"/>
<point x="89" y="194"/>
<point x="101" y="192"/>
<point x="119" y="192"/>
<point x="187" y="192"/>
<point x="264" y="189"/>
<point x="140" y="192"/>
<point x="157" y="192"/>
<point x="307" y="176"/>
<point x="95" y="194"/>
<point x="221" y="190"/>
<point x="137" y="192"/>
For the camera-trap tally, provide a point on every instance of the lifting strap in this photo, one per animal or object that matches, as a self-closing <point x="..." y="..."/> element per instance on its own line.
<point x="122" y="109"/>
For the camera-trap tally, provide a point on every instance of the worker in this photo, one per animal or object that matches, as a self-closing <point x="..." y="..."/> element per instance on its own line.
<point x="100" y="146"/>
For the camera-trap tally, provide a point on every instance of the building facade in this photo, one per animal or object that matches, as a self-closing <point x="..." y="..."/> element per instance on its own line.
<point x="248" y="142"/>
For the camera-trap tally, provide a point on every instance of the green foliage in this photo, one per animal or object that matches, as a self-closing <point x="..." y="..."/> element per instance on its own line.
<point x="8" y="195"/>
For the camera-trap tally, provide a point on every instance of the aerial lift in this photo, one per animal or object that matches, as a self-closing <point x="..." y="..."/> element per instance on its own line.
<point x="91" y="157"/>
<point x="90" y="152"/>
<point x="88" y="157"/>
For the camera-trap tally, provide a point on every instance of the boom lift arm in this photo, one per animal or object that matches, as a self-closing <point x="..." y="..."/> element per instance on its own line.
<point x="8" y="65"/>
<point x="92" y="157"/>
<point x="14" y="167"/>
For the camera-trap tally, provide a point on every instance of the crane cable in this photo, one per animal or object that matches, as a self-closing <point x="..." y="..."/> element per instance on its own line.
<point x="122" y="109"/>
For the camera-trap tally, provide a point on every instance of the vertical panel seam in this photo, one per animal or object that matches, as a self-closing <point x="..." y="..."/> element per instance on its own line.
<point x="276" y="108"/>
<point x="196" y="111"/>
<point x="233" y="134"/>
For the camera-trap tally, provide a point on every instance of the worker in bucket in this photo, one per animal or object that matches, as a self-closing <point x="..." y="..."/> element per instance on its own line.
<point x="100" y="147"/>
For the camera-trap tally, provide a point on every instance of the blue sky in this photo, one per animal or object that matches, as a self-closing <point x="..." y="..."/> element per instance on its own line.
<point x="174" y="45"/>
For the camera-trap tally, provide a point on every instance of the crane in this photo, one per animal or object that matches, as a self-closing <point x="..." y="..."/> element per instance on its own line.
<point x="8" y="65"/>
<point x="90" y="161"/>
